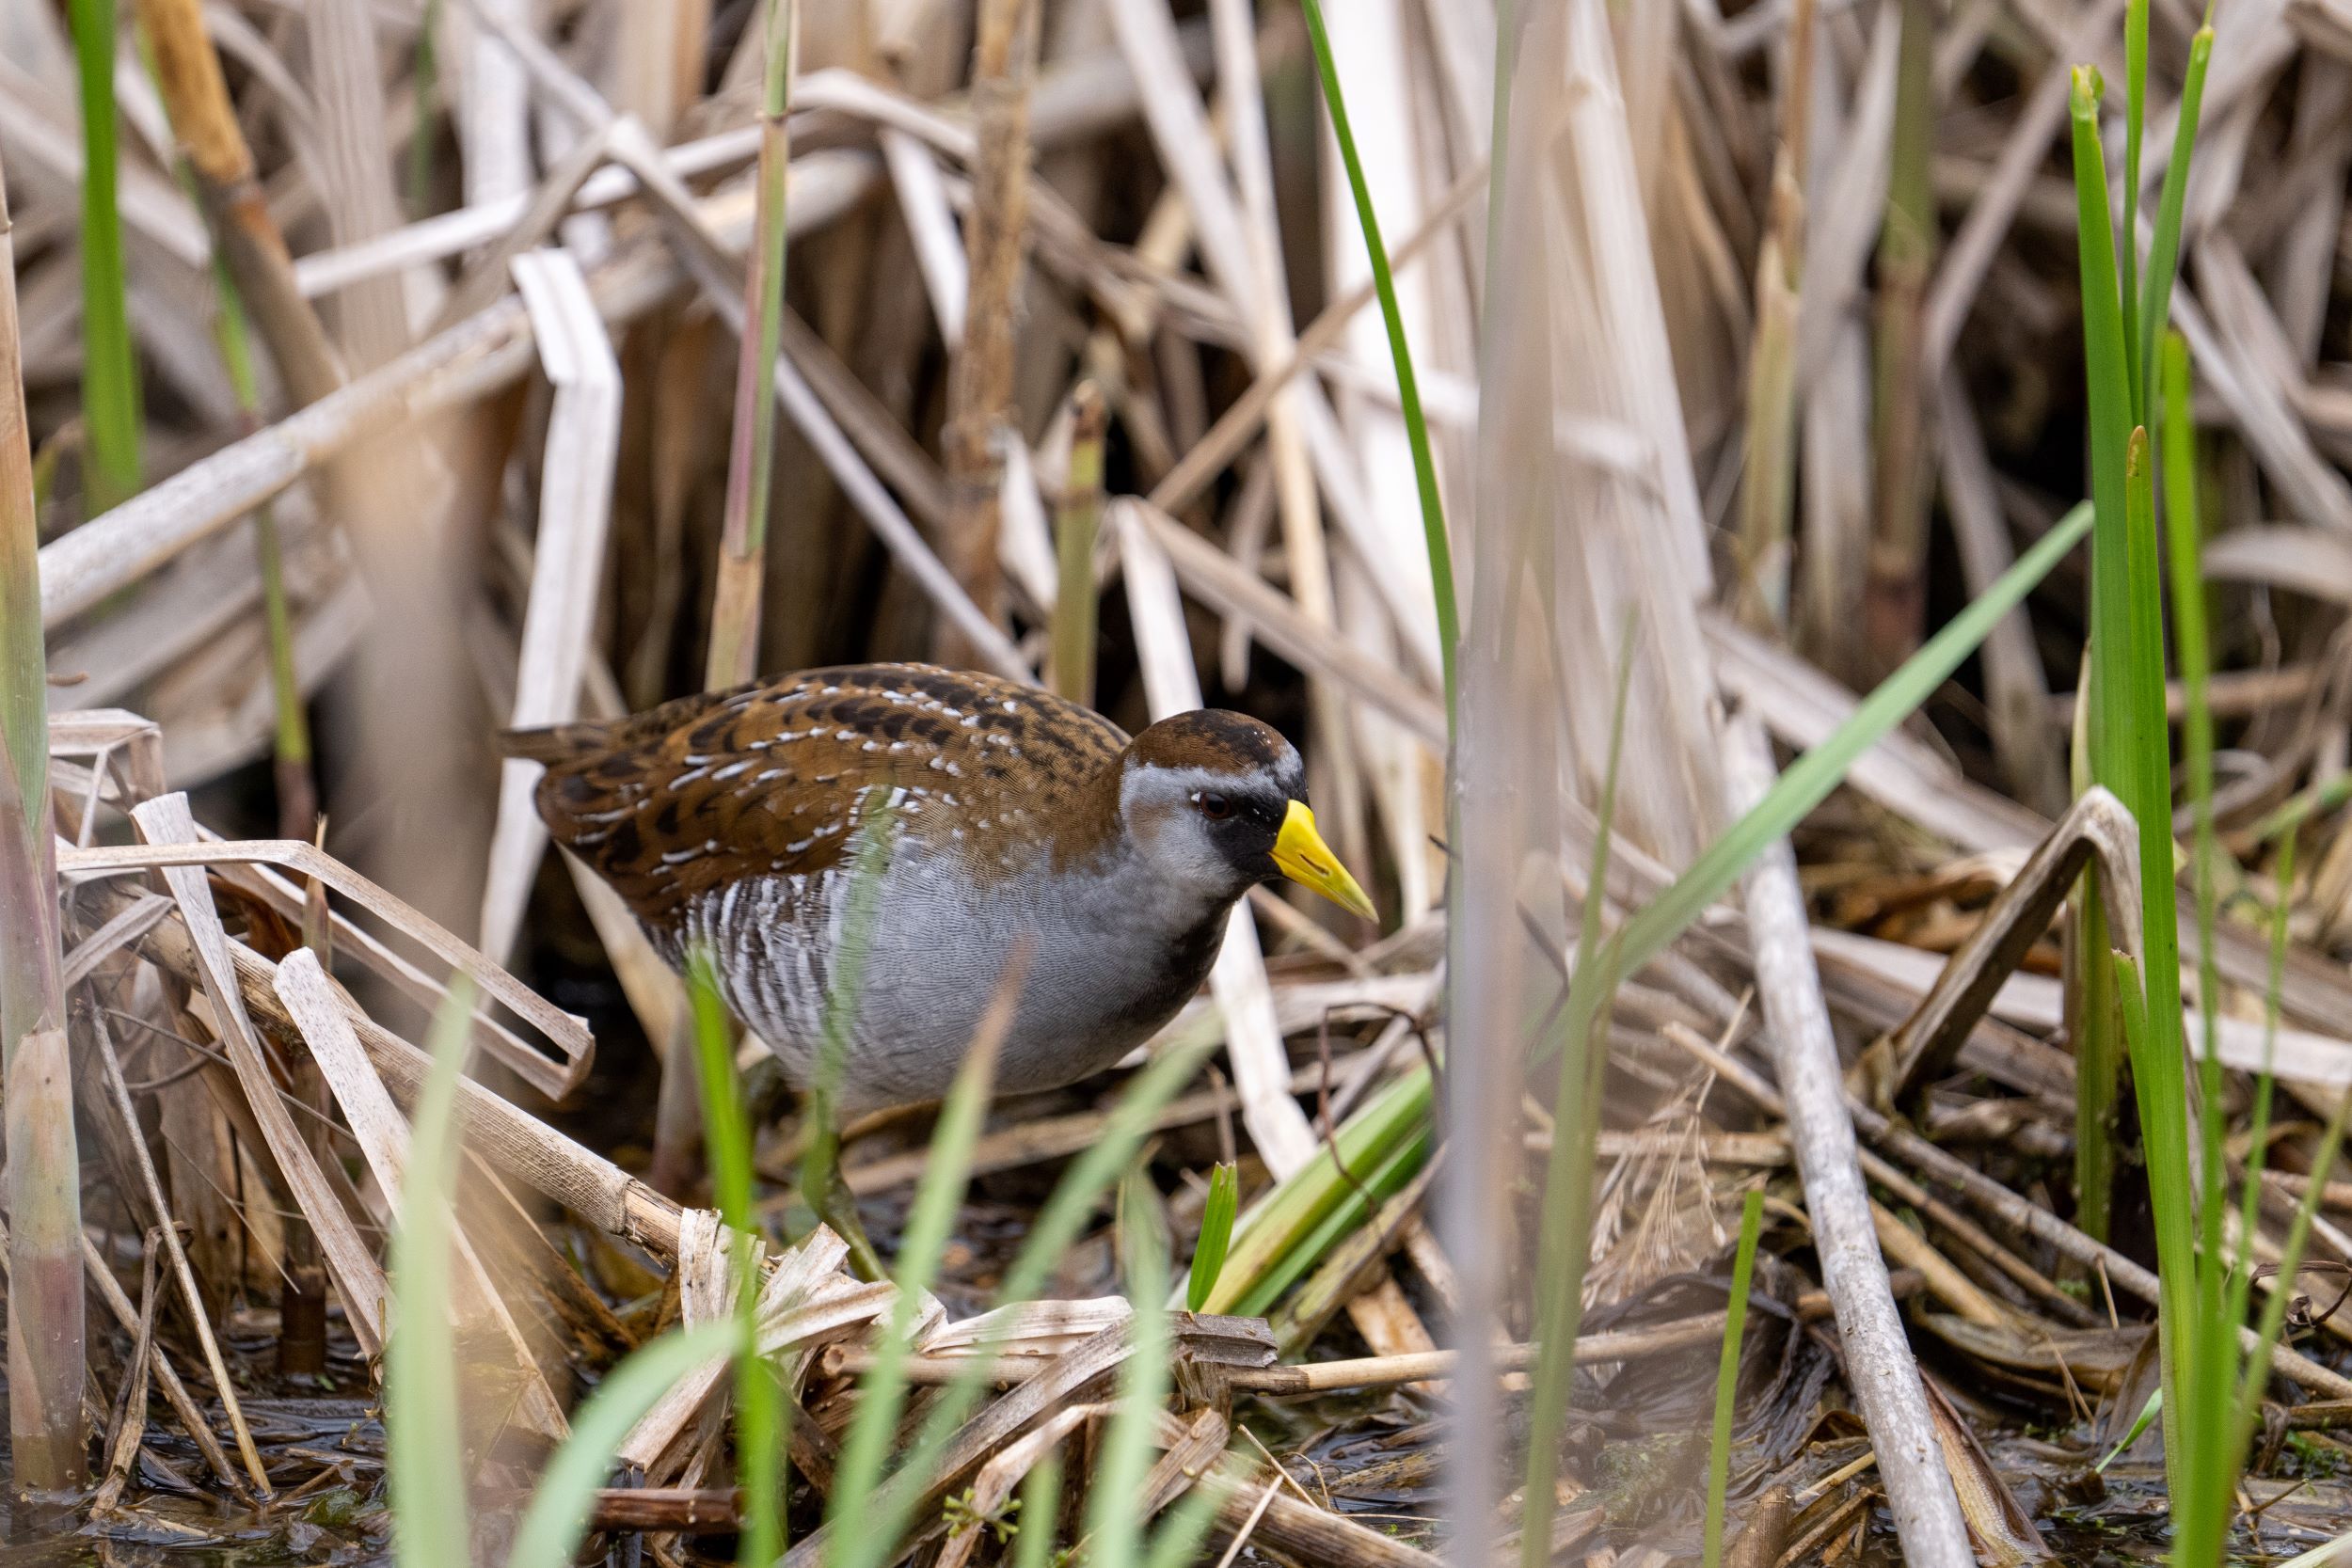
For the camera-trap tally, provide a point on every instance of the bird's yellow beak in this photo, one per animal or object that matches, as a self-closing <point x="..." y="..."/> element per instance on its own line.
<point x="1306" y="860"/>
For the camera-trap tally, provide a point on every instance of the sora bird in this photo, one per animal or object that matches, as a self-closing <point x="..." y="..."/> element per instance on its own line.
<point x="986" y="814"/>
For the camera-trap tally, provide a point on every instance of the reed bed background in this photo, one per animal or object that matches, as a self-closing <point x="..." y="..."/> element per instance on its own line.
<point x="1807" y="548"/>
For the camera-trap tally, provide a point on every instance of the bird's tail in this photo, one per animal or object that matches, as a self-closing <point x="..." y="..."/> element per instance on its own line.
<point x="556" y="743"/>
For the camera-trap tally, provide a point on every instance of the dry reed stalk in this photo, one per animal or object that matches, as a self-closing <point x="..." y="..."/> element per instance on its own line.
<point x="184" y="1277"/>
<point x="1768" y="490"/>
<point x="559" y="619"/>
<point x="43" y="1182"/>
<point x="1071" y="668"/>
<point x="355" y="170"/>
<point x="1885" y="1378"/>
<point x="734" y="654"/>
<point x="188" y="75"/>
<point x="981" y="379"/>
<point x="1509" y="739"/>
<point x="1895" y="593"/>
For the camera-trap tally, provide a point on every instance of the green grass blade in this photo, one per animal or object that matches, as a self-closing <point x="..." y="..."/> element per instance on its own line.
<point x="1183" y="1526"/>
<point x="1054" y="1231"/>
<point x="938" y="1199"/>
<point x="557" y="1519"/>
<point x="1040" y="1511"/>
<point x="110" y="383"/>
<point x="1727" y="1373"/>
<point x="2243" y="1275"/>
<point x="2140" y="1423"/>
<point x="1285" y="1219"/>
<point x="2249" y="1394"/>
<point x="2164" y="250"/>
<point x="2136" y="346"/>
<point x="1113" y="1530"/>
<point x="1216" y="1233"/>
<point x="727" y="1139"/>
<point x="2130" y="754"/>
<point x="425" y="1435"/>
<point x="1407" y="385"/>
<point x="1380" y="1183"/>
<point x="1568" y="1171"/>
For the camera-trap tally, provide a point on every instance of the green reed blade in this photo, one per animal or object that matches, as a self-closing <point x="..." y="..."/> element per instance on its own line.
<point x="1407" y="385"/>
<point x="1810" y="779"/>
<point x="1568" y="1172"/>
<point x="1052" y="1233"/>
<point x="557" y="1518"/>
<point x="1040" y="1511"/>
<point x="1113" y="1530"/>
<point x="938" y="1200"/>
<point x="110" y="383"/>
<point x="423" y="1430"/>
<point x="759" y="1436"/>
<point x="1216" y="1233"/>
<point x="2135" y="344"/>
<point x="1727" y="1373"/>
<point x="2164" y="251"/>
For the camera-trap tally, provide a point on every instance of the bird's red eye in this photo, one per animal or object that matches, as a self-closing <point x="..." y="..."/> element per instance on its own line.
<point x="1215" y="807"/>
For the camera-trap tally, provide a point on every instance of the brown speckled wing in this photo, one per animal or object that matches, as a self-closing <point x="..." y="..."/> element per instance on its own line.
<point x="679" y="801"/>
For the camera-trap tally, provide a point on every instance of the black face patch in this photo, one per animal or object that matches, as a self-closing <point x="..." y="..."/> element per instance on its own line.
<point x="1252" y="820"/>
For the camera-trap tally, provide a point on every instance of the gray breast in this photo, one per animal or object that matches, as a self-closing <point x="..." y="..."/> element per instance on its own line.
<point x="1112" y="959"/>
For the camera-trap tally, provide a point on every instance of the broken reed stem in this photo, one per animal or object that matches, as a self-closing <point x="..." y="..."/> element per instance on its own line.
<point x="1886" y="1382"/>
<point x="734" y="655"/>
<point x="979" y="382"/>
<point x="1070" y="669"/>
<point x="188" y="74"/>
<point x="111" y="412"/>
<point x="45" y="1169"/>
<point x="1895" y="582"/>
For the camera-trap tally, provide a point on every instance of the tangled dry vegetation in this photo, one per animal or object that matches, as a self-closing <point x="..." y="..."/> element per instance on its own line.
<point x="1774" y="324"/>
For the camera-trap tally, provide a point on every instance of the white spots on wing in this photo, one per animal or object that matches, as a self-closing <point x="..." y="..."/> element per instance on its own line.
<point x="797" y="847"/>
<point x="679" y="780"/>
<point x="845" y="734"/>
<point x="730" y="770"/>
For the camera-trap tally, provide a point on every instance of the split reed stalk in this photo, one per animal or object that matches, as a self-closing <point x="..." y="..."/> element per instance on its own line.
<point x="111" y="413"/>
<point x="734" y="655"/>
<point x="43" y="1176"/>
<point x="979" y="381"/>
